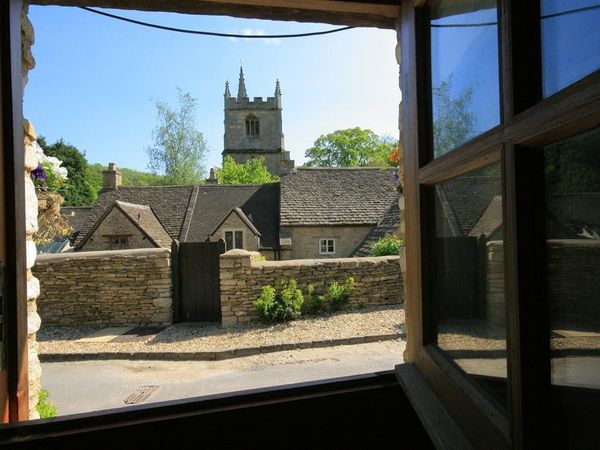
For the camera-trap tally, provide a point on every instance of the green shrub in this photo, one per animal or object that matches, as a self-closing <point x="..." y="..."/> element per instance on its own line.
<point x="387" y="245"/>
<point x="339" y="293"/>
<point x="314" y="303"/>
<point x="44" y="406"/>
<point x="276" y="306"/>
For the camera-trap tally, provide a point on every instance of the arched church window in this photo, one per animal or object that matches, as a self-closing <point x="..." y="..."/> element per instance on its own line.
<point x="252" y="126"/>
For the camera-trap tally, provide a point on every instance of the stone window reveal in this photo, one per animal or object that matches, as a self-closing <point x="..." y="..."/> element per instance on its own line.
<point x="326" y="246"/>
<point x="252" y="126"/>
<point x="233" y="239"/>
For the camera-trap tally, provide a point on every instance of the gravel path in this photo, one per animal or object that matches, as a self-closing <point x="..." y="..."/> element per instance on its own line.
<point x="211" y="338"/>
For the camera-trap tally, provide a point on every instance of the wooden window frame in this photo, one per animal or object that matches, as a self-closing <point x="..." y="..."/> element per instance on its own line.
<point x="14" y="380"/>
<point x="528" y="123"/>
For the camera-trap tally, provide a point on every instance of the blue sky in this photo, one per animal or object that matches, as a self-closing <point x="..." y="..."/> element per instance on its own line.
<point x="97" y="79"/>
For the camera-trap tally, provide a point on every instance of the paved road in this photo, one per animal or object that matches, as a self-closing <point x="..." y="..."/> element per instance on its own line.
<point x="95" y="385"/>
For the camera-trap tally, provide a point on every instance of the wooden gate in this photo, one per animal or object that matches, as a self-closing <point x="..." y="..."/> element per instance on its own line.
<point x="196" y="283"/>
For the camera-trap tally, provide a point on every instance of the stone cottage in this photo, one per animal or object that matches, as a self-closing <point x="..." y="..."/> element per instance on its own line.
<point x="311" y="213"/>
<point x="336" y="212"/>
<point x="244" y="216"/>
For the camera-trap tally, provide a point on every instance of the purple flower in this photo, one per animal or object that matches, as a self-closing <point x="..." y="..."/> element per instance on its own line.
<point x="38" y="173"/>
<point x="395" y="176"/>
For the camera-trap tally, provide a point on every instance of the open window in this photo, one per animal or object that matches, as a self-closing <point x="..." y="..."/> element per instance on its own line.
<point x="496" y="147"/>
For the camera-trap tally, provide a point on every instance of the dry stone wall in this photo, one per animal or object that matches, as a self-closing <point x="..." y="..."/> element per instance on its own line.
<point x="125" y="287"/>
<point x="377" y="280"/>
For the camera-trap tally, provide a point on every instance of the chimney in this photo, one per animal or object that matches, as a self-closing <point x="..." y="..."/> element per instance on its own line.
<point x="212" y="179"/>
<point x="111" y="178"/>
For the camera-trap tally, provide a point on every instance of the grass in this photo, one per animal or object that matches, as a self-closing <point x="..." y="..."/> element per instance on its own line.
<point x="45" y="406"/>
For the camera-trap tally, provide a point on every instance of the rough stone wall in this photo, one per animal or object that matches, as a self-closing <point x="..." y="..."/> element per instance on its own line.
<point x="305" y="240"/>
<point x="31" y="224"/>
<point x="377" y="280"/>
<point x="494" y="287"/>
<point x="115" y="224"/>
<point x="573" y="283"/>
<point x="233" y="222"/>
<point x="126" y="287"/>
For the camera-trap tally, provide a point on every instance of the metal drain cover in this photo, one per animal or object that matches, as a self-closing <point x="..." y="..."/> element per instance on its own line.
<point x="141" y="394"/>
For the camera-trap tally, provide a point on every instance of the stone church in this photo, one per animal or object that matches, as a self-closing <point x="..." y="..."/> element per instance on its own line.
<point x="253" y="128"/>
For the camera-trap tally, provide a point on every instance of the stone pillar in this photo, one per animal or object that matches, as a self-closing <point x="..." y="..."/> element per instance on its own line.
<point x="31" y="223"/>
<point x="234" y="266"/>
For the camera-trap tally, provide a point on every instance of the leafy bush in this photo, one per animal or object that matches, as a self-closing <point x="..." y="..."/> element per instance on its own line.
<point x="44" y="406"/>
<point x="387" y="245"/>
<point x="339" y="293"/>
<point x="314" y="303"/>
<point x="276" y="306"/>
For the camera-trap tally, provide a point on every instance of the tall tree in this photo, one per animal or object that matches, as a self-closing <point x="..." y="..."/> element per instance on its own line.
<point x="179" y="149"/>
<point x="350" y="148"/>
<point x="78" y="190"/>
<point x="453" y="121"/>
<point x="252" y="171"/>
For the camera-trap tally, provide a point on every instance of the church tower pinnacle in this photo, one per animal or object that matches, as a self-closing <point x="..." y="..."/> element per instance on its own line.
<point x="242" y="86"/>
<point x="254" y="128"/>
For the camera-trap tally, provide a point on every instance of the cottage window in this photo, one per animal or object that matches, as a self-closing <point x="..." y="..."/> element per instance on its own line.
<point x="326" y="246"/>
<point x="252" y="126"/>
<point x="233" y="239"/>
<point x="118" y="242"/>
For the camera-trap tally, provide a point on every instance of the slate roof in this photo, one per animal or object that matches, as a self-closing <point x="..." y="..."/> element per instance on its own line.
<point x="260" y="203"/>
<point x="169" y="203"/>
<point x="460" y="203"/>
<point x="336" y="196"/>
<point x="76" y="216"/>
<point x="568" y="214"/>
<point x="388" y="225"/>
<point x="145" y="219"/>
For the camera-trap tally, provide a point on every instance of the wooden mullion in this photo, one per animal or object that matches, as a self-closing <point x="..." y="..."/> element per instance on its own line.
<point x="479" y="418"/>
<point x="526" y="308"/>
<point x="480" y="152"/>
<point x="13" y="234"/>
<point x="569" y="112"/>
<point x="411" y="144"/>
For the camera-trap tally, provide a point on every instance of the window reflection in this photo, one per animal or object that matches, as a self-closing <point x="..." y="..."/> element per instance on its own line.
<point x="467" y="282"/>
<point x="570" y="42"/>
<point x="573" y="255"/>
<point x="464" y="71"/>
<point x="572" y="170"/>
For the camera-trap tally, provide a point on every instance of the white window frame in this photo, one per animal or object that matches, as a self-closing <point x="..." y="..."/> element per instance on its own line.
<point x="233" y="231"/>
<point x="327" y="252"/>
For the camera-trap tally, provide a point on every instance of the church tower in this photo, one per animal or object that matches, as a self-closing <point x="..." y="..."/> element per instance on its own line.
<point x="253" y="128"/>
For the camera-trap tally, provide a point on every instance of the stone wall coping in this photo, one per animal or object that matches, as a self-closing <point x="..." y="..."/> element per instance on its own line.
<point x="239" y="253"/>
<point x="573" y="242"/>
<point x="327" y="261"/>
<point x="562" y="243"/>
<point x="103" y="254"/>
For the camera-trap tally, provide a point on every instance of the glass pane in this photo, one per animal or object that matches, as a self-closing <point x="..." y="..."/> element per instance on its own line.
<point x="570" y="42"/>
<point x="572" y="169"/>
<point x="239" y="239"/>
<point x="228" y="240"/>
<point x="467" y="279"/>
<point x="464" y="71"/>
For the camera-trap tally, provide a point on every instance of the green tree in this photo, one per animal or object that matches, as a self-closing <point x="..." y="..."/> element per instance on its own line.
<point x="78" y="190"/>
<point x="453" y="121"/>
<point x="352" y="147"/>
<point x="131" y="177"/>
<point x="179" y="149"/>
<point x="252" y="171"/>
